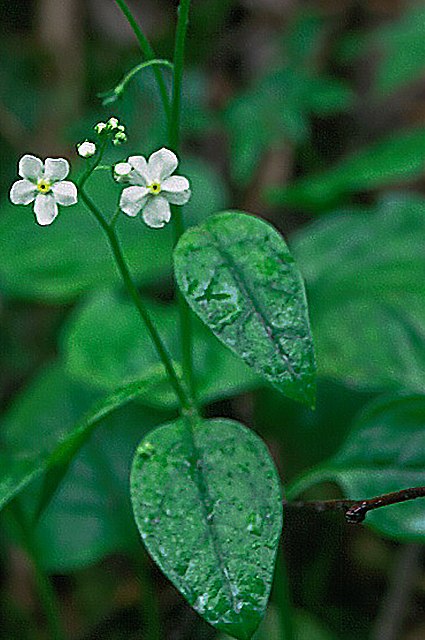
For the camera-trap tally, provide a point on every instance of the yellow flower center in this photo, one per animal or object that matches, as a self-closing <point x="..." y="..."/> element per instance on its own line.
<point x="44" y="186"/>
<point x="154" y="188"/>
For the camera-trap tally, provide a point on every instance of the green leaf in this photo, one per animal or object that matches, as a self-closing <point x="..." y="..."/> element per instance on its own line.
<point x="399" y="158"/>
<point x="385" y="452"/>
<point x="237" y="274"/>
<point x="277" y="111"/>
<point x="364" y="273"/>
<point x="120" y="351"/>
<point x="400" y="46"/>
<point x="206" y="498"/>
<point x="45" y="428"/>
<point x="72" y="256"/>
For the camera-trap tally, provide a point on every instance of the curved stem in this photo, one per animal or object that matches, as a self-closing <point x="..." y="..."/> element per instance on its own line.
<point x="174" y="142"/>
<point x="179" y="388"/>
<point x="148" y="52"/>
<point x="118" y="90"/>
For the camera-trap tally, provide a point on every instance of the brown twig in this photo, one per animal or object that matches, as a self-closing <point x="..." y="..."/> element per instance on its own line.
<point x="355" y="510"/>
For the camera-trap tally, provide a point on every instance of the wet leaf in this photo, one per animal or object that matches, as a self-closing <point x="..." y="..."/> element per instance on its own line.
<point x="237" y="274"/>
<point x="208" y="506"/>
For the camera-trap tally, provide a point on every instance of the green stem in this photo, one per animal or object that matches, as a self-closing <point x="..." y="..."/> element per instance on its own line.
<point x="148" y="52"/>
<point x="180" y="390"/>
<point x="178" y="62"/>
<point x="45" y="590"/>
<point x="118" y="90"/>
<point x="174" y="142"/>
<point x="281" y="593"/>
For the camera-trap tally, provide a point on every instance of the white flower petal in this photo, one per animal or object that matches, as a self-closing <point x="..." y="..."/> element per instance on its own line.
<point x="156" y="212"/>
<point x="56" y="169"/>
<point x="23" y="192"/>
<point x="65" y="193"/>
<point x="161" y="164"/>
<point x="30" y="168"/>
<point x="178" y="197"/>
<point x="139" y="175"/>
<point x="133" y="199"/>
<point x="175" y="183"/>
<point x="176" y="189"/>
<point x="45" y="208"/>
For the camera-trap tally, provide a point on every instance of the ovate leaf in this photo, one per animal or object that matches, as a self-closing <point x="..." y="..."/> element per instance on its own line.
<point x="206" y="498"/>
<point x="385" y="452"/>
<point x="365" y="274"/>
<point x="237" y="274"/>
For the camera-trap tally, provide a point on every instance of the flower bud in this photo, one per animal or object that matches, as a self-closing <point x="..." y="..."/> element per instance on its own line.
<point x="86" y="149"/>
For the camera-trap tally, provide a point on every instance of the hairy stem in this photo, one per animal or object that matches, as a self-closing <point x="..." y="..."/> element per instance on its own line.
<point x="148" y="53"/>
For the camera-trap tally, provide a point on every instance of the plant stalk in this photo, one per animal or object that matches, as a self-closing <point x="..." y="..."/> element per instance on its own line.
<point x="179" y="388"/>
<point x="174" y="135"/>
<point x="148" y="53"/>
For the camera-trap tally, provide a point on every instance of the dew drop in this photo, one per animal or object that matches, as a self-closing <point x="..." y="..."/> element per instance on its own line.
<point x="146" y="450"/>
<point x="255" y="523"/>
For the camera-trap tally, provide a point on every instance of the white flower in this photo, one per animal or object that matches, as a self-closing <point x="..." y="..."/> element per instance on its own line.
<point x="100" y="126"/>
<point x="86" y="149"/>
<point x="122" y="171"/>
<point x="113" y="123"/>
<point x="154" y="188"/>
<point x="45" y="185"/>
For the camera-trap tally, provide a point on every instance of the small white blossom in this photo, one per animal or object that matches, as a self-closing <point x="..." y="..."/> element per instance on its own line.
<point x="86" y="149"/>
<point x="100" y="126"/>
<point x="122" y="171"/>
<point x="45" y="185"/>
<point x="113" y="123"/>
<point x="154" y="188"/>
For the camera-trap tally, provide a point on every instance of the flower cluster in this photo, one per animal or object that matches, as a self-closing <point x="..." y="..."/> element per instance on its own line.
<point x="150" y="187"/>
<point x="113" y="129"/>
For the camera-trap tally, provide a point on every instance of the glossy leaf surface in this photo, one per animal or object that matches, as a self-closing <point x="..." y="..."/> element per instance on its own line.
<point x="364" y="273"/>
<point x="238" y="275"/>
<point x="208" y="506"/>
